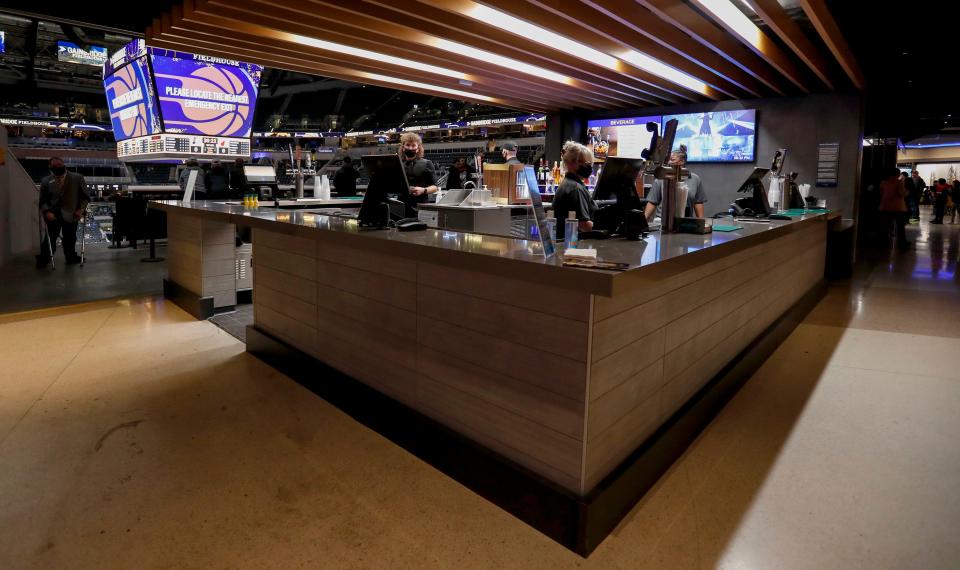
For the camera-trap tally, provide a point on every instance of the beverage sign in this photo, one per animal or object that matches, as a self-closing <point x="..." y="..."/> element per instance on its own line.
<point x="72" y="53"/>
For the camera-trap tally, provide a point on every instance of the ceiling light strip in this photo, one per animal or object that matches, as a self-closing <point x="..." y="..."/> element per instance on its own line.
<point x="367" y="54"/>
<point x="728" y="13"/>
<point x="419" y="85"/>
<point x="500" y="60"/>
<point x="576" y="49"/>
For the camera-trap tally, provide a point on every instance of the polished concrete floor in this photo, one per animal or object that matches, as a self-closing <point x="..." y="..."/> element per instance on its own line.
<point x="107" y="274"/>
<point x="132" y="436"/>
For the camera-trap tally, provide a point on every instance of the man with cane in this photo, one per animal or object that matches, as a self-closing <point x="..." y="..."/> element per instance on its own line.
<point x="63" y="201"/>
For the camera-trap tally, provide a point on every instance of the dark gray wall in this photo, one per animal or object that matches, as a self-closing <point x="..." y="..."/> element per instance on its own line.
<point x="798" y="124"/>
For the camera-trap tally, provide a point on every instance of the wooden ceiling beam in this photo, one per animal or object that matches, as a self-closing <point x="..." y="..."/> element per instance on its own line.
<point x="428" y="16"/>
<point x="263" y="43"/>
<point x="826" y="26"/>
<point x="578" y="23"/>
<point x="360" y="19"/>
<point x="777" y="19"/>
<point x="705" y="32"/>
<point x="643" y="22"/>
<point x="484" y="74"/>
<point x="764" y="47"/>
<point x="185" y="43"/>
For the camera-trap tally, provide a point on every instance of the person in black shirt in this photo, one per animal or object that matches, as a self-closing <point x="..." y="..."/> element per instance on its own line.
<point x="345" y="179"/>
<point x="238" y="179"/>
<point x="509" y="150"/>
<point x="572" y="194"/>
<point x="460" y="173"/>
<point x="215" y="180"/>
<point x="421" y="174"/>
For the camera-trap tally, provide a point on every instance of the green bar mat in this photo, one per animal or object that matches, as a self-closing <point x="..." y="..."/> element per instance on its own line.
<point x="726" y="228"/>
<point x="799" y="212"/>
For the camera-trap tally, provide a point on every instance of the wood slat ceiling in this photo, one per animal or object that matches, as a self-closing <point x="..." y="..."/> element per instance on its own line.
<point x="627" y="53"/>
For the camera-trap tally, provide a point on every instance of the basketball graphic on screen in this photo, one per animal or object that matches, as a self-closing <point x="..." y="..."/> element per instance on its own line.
<point x="128" y="117"/>
<point x="213" y="100"/>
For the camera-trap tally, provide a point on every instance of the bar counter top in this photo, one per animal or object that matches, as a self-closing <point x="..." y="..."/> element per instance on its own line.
<point x="656" y="257"/>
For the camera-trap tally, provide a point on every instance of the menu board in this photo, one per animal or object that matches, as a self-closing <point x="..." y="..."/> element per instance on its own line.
<point x="201" y="95"/>
<point x="626" y="137"/>
<point x="131" y="101"/>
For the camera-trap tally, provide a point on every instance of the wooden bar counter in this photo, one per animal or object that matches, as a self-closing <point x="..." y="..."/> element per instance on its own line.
<point x="563" y="371"/>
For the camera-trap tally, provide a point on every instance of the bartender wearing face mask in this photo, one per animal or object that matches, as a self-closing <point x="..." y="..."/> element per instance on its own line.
<point x="696" y="196"/>
<point x="572" y="194"/>
<point x="421" y="174"/>
<point x="63" y="200"/>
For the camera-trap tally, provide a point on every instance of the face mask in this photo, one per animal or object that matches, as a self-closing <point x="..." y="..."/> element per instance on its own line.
<point x="584" y="171"/>
<point x="409" y="153"/>
<point x="58" y="170"/>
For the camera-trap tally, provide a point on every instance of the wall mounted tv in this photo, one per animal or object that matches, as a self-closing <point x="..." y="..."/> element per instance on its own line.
<point x="717" y="136"/>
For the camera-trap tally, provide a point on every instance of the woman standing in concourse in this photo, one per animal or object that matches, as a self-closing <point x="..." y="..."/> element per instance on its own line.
<point x="893" y="205"/>
<point x="421" y="174"/>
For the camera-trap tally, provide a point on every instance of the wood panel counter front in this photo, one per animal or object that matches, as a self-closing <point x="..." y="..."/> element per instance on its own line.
<point x="565" y="371"/>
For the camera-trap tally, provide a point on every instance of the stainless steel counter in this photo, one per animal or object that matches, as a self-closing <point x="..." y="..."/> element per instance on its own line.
<point x="658" y="256"/>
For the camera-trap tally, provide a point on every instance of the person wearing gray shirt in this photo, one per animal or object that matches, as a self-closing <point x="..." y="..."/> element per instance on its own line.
<point x="696" y="196"/>
<point x="63" y="200"/>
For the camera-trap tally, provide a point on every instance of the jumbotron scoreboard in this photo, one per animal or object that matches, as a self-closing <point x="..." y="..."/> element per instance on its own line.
<point x="167" y="104"/>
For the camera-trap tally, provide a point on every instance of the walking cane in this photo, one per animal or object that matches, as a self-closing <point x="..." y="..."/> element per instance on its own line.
<point x="83" y="238"/>
<point x="49" y="240"/>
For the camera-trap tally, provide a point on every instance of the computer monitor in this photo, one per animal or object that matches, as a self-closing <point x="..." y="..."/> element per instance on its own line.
<point x="387" y="178"/>
<point x="758" y="202"/>
<point x="259" y="174"/>
<point x="618" y="180"/>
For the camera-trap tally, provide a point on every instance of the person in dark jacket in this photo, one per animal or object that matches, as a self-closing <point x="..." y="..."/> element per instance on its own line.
<point x="216" y="181"/>
<point x="915" y="186"/>
<point x="63" y="200"/>
<point x="509" y="151"/>
<point x="345" y="179"/>
<point x="238" y="179"/>
<point x="460" y="173"/>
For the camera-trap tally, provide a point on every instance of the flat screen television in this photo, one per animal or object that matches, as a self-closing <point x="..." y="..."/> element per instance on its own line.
<point x="201" y="95"/>
<point x="717" y="136"/>
<point x="625" y="137"/>
<point x="259" y="174"/>
<point x="131" y="101"/>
